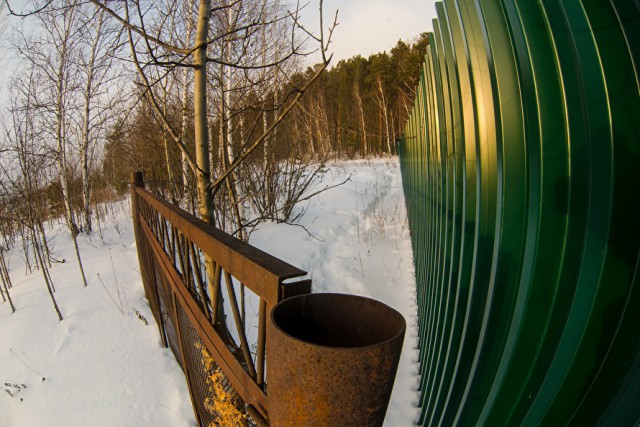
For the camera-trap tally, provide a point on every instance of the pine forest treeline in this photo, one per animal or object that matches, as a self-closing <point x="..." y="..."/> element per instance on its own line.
<point x="359" y="106"/>
<point x="356" y="109"/>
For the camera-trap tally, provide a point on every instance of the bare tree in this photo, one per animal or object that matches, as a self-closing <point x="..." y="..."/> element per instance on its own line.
<point x="6" y="280"/>
<point x="363" y="125"/>
<point x="52" y="55"/>
<point x="99" y="43"/>
<point x="24" y="174"/>
<point x="151" y="47"/>
<point x="382" y="102"/>
<point x="7" y="225"/>
<point x="249" y="102"/>
<point x="239" y="49"/>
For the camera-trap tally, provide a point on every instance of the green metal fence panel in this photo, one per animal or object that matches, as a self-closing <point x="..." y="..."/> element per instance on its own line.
<point x="521" y="170"/>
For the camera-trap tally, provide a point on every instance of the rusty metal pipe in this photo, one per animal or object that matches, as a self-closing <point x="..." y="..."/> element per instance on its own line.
<point x="331" y="360"/>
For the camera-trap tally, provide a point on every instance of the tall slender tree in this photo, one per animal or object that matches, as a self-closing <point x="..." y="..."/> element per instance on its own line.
<point x="98" y="72"/>
<point x="52" y="56"/>
<point x="24" y="173"/>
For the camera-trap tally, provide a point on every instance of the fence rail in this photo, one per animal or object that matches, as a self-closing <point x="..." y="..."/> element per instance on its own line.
<point x="192" y="274"/>
<point x="521" y="168"/>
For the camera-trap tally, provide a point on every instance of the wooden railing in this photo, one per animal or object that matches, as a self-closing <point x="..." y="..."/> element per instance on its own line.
<point x="193" y="273"/>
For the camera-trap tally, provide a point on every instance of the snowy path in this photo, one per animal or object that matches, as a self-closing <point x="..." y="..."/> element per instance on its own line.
<point x="364" y="249"/>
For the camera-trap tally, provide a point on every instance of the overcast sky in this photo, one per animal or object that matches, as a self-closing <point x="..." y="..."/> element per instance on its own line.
<point x="365" y="27"/>
<point x="370" y="26"/>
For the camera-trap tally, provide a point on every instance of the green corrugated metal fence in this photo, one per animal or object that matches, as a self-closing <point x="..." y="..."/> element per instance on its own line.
<point x="521" y="168"/>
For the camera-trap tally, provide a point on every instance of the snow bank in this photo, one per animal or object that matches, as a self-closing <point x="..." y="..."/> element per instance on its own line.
<point x="104" y="366"/>
<point x="356" y="240"/>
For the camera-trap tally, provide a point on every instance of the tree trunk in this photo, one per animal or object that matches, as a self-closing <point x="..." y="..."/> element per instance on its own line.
<point x="203" y="166"/>
<point x="6" y="281"/>
<point x="266" y="169"/>
<point x="203" y="170"/>
<point x="45" y="272"/>
<point x="356" y="91"/>
<point x="84" y="146"/>
<point x="183" y="126"/>
<point x="173" y="185"/>
<point x="385" y="112"/>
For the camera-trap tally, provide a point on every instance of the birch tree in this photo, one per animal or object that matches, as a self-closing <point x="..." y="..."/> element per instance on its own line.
<point x="154" y="50"/>
<point x="154" y="45"/>
<point x="99" y="43"/>
<point x="5" y="279"/>
<point x="51" y="55"/>
<point x="22" y="176"/>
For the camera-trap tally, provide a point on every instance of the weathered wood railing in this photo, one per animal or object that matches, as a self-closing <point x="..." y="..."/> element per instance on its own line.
<point x="183" y="261"/>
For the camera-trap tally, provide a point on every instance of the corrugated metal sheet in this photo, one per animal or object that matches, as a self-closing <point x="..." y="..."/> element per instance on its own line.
<point x="521" y="168"/>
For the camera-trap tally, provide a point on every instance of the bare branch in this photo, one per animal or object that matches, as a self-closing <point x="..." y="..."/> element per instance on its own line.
<point x="215" y="186"/>
<point x="27" y="14"/>
<point x="154" y="103"/>
<point x="126" y="23"/>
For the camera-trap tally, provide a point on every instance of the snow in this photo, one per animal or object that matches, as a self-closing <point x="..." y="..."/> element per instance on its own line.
<point x="103" y="366"/>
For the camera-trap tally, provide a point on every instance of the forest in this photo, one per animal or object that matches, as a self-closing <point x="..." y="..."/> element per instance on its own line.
<point x="214" y="101"/>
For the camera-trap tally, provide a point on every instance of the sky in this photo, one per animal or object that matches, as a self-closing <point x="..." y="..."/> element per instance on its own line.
<point x="370" y="26"/>
<point x="364" y="27"/>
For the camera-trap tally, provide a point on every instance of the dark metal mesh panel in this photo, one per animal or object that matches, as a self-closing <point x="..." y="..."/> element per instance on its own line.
<point x="200" y="373"/>
<point x="166" y="313"/>
<point x="149" y="285"/>
<point x="194" y="367"/>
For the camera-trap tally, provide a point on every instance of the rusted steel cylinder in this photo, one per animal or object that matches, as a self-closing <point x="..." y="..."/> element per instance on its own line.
<point x="331" y="360"/>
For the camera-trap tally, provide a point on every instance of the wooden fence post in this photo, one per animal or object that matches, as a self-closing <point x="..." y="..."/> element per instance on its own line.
<point x="137" y="181"/>
<point x="145" y="260"/>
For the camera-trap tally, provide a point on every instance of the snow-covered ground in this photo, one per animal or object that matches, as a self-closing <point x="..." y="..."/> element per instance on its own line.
<point x="104" y="366"/>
